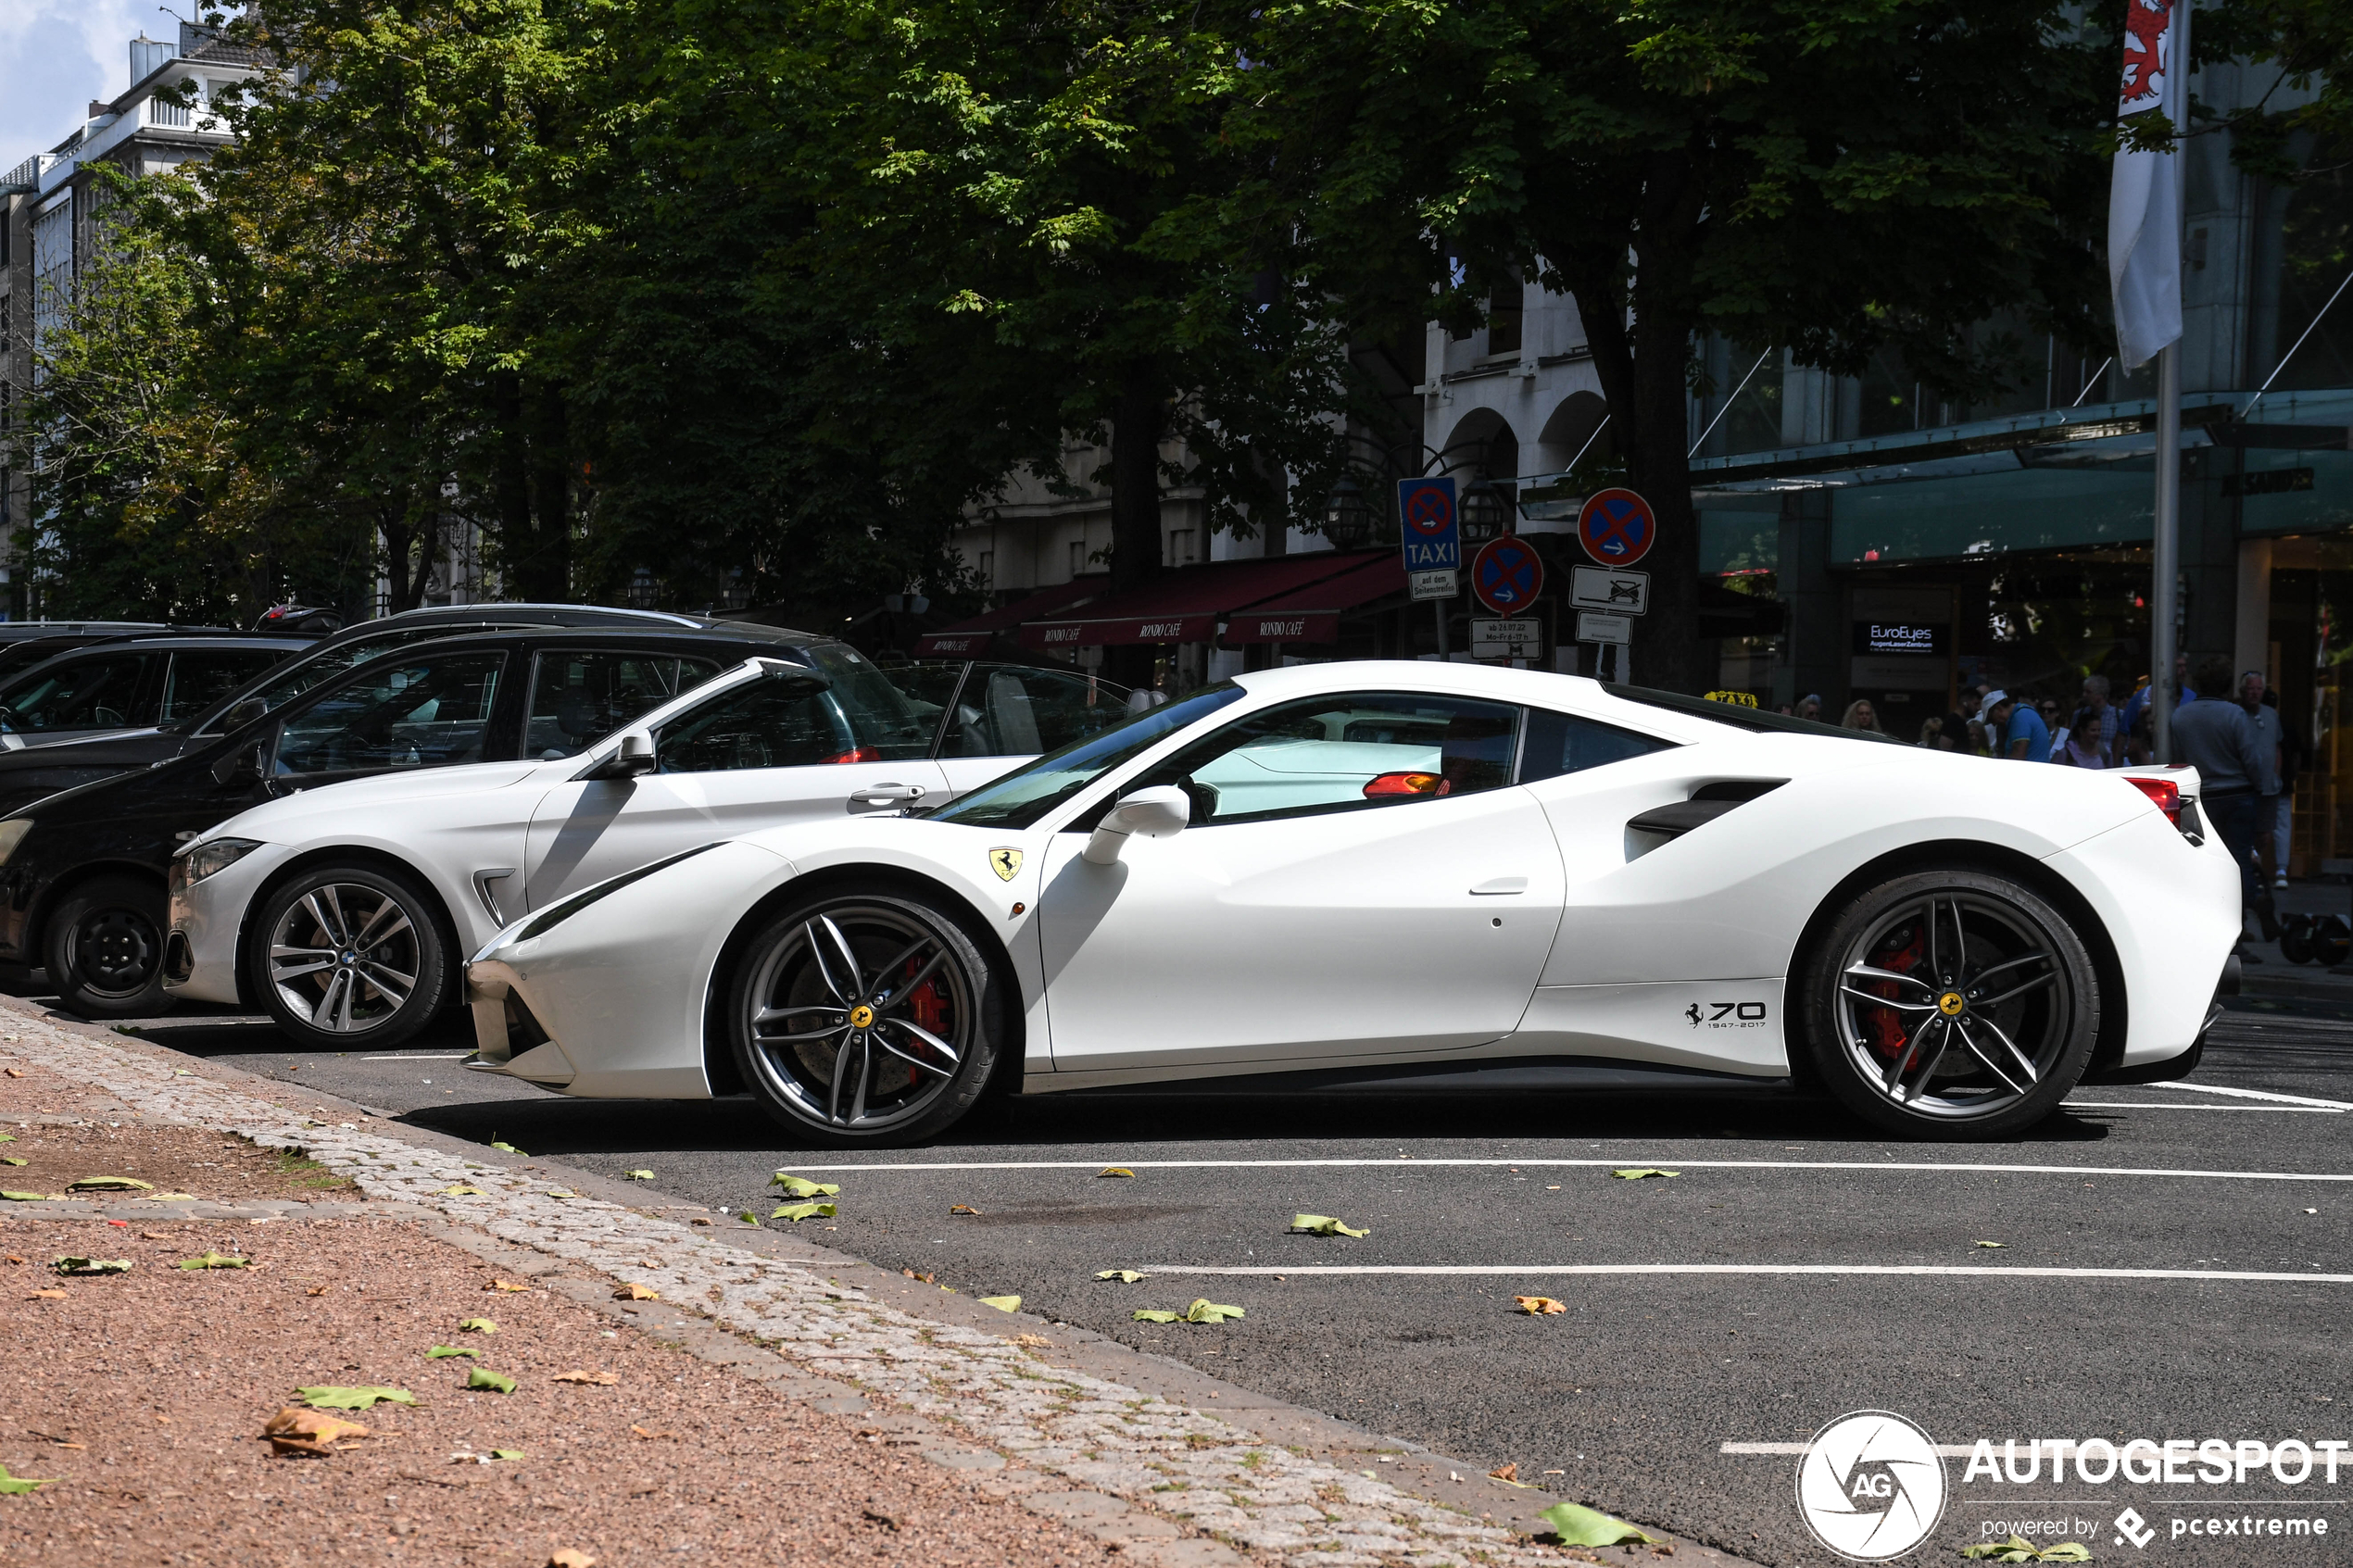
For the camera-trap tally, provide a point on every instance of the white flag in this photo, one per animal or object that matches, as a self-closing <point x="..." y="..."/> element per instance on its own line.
<point x="2143" y="205"/>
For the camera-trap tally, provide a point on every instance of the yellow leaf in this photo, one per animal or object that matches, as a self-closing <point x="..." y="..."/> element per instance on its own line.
<point x="1539" y="1306"/>
<point x="1324" y="1224"/>
<point x="1002" y="1303"/>
<point x="507" y="1285"/>
<point x="1113" y="1171"/>
<point x="635" y="1292"/>
<point x="1638" y="1172"/>
<point x="602" y="1379"/>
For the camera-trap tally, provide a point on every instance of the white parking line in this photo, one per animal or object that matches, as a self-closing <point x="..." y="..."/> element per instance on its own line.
<point x="1405" y="1163"/>
<point x="420" y="1056"/>
<point x="2255" y="1094"/>
<point x="1943" y="1450"/>
<point x="1532" y="1269"/>
<point x="2153" y="1105"/>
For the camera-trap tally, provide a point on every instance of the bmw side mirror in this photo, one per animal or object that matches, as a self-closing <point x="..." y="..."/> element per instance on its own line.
<point x="242" y="766"/>
<point x="1158" y="812"/>
<point x="244" y="713"/>
<point x="636" y="756"/>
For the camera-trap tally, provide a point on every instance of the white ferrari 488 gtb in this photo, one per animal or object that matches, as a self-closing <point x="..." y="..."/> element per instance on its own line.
<point x="1417" y="875"/>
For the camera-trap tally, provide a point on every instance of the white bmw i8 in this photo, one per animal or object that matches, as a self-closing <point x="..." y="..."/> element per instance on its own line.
<point x="1415" y="874"/>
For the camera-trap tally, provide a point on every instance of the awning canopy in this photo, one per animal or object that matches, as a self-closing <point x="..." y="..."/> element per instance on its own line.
<point x="1311" y="614"/>
<point x="970" y="639"/>
<point x="1185" y="604"/>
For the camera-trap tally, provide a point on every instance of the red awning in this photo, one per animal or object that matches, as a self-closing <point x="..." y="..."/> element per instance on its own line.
<point x="970" y="639"/>
<point x="1185" y="605"/>
<point x="1311" y="614"/>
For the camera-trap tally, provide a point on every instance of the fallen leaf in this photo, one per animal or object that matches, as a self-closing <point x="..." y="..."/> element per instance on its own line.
<point x="1113" y="1171"/>
<point x="1579" y="1526"/>
<point x="1539" y="1306"/>
<point x="962" y="1208"/>
<point x="508" y="1453"/>
<point x="567" y="1558"/>
<point x="507" y="1149"/>
<point x="1505" y="1472"/>
<point x="2019" y="1549"/>
<point x="18" y="1073"/>
<point x="649" y="1436"/>
<point x="463" y="1190"/>
<point x="801" y="1186"/>
<point x="215" y="1261"/>
<point x="301" y="1432"/>
<point x="154" y="1235"/>
<point x="177" y="1197"/>
<point x="1636" y="1174"/>
<point x="1002" y="1303"/>
<point x="477" y="1325"/>
<point x="11" y="1485"/>
<point x="639" y="1176"/>
<point x="796" y="1212"/>
<point x="497" y="1382"/>
<point x="12" y="1159"/>
<point x="602" y="1379"/>
<point x="1202" y="1311"/>
<point x="1033" y="1340"/>
<point x="745" y="1215"/>
<point x="705" y="1219"/>
<point x="326" y="1397"/>
<point x="509" y="1287"/>
<point x="1324" y="1224"/>
<point x="319" y="1289"/>
<point x="48" y="1295"/>
<point x="1125" y="1276"/>
<point x="1993" y="1244"/>
<point x="1156" y="1314"/>
<point x="24" y="1197"/>
<point x="8" y="1137"/>
<point x="912" y="1274"/>
<point x="440" y="1352"/>
<point x="108" y="1184"/>
<point x="92" y="1265"/>
<point x="635" y="1292"/>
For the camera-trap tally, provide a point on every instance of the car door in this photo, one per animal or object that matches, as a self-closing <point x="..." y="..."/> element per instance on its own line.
<point x="1003" y="714"/>
<point x="1361" y="877"/>
<point x="756" y="755"/>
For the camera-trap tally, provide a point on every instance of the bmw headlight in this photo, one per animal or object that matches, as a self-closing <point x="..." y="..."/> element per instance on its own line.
<point x="12" y="833"/>
<point x="215" y="855"/>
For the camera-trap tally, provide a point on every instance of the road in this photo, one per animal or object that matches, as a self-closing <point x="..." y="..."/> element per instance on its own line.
<point x="1640" y="1396"/>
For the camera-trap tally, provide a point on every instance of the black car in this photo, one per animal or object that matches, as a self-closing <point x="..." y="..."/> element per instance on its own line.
<point x="43" y="769"/>
<point x="127" y="682"/>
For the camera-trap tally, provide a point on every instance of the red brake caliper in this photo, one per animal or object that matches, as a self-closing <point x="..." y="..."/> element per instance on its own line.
<point x="1896" y="954"/>
<point x="930" y="1007"/>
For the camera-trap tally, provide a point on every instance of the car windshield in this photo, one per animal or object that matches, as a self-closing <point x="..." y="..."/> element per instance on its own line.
<point x="1739" y="716"/>
<point x="1022" y="797"/>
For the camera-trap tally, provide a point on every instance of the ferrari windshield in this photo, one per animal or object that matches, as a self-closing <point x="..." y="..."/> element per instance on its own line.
<point x="1019" y="798"/>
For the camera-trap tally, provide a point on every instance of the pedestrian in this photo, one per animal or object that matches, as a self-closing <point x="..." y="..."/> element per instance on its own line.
<point x="1964" y="710"/>
<point x="2023" y="735"/>
<point x="2095" y="696"/>
<point x="2139" y="749"/>
<point x="2294" y="749"/>
<point x="2184" y="692"/>
<point x="1810" y="706"/>
<point x="2214" y="735"/>
<point x="1977" y="746"/>
<point x="1860" y="715"/>
<point x="2083" y="742"/>
<point x="1932" y="736"/>
<point x="2266" y="721"/>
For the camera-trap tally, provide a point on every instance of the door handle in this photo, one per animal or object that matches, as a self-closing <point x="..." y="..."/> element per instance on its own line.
<point x="1495" y="886"/>
<point x="887" y="795"/>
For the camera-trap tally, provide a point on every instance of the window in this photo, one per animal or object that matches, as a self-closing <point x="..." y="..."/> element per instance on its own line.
<point x="1008" y="711"/>
<point x="988" y="569"/>
<point x="1503" y="309"/>
<point x="88" y="694"/>
<point x="772" y="724"/>
<point x="202" y="678"/>
<point x="577" y="695"/>
<point x="1077" y="557"/>
<point x="1024" y="795"/>
<point x="1180" y="547"/>
<point x="1562" y="742"/>
<point x="1304" y="757"/>
<point x="425" y="712"/>
<point x="323" y="665"/>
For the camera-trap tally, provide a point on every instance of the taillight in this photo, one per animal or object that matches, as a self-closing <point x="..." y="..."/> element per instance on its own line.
<point x="860" y="754"/>
<point x="1386" y="785"/>
<point x="2164" y="792"/>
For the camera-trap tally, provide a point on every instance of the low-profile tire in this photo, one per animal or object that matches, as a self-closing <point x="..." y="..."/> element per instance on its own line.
<point x="342" y="954"/>
<point x="104" y="948"/>
<point x="866" y="1018"/>
<point x="1954" y="1003"/>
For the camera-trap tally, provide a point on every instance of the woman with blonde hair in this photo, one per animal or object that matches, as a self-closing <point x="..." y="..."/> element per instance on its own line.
<point x="1932" y="736"/>
<point x="1860" y="716"/>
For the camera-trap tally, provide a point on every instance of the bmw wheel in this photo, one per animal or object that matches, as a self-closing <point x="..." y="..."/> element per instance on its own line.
<point x="104" y="948"/>
<point x="340" y="954"/>
<point x="866" y="1018"/>
<point x="1956" y="1003"/>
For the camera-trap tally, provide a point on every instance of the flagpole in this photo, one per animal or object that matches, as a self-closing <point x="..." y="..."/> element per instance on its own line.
<point x="2164" y="554"/>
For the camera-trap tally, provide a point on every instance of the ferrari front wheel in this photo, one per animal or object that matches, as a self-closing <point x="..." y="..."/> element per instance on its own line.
<point x="866" y="1018"/>
<point x="1957" y="1003"/>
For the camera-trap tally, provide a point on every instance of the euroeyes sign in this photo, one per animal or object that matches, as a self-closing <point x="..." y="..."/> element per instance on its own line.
<point x="1428" y="525"/>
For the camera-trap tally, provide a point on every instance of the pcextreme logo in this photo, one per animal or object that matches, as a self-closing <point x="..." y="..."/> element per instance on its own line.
<point x="1870" y="1487"/>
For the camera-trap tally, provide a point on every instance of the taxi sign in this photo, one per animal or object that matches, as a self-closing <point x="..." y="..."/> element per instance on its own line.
<point x="1507" y="574"/>
<point x="1428" y="525"/>
<point x="1617" y="527"/>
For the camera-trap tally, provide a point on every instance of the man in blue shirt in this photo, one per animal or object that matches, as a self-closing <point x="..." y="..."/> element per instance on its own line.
<point x="2139" y="699"/>
<point x="2214" y="735"/>
<point x="2024" y="736"/>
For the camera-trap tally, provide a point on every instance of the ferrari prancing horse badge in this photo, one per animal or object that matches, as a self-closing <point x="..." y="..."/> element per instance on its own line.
<point x="1005" y="863"/>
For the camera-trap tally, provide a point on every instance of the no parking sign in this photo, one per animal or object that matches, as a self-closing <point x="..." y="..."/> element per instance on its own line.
<point x="1507" y="574"/>
<point x="1431" y="528"/>
<point x="1617" y="527"/>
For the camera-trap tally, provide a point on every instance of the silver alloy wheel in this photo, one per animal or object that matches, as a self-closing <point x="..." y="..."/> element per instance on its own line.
<point x="1955" y="1005"/>
<point x="858" y="1017"/>
<point x="343" y="956"/>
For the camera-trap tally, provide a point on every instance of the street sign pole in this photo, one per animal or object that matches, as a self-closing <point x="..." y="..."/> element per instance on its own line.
<point x="1440" y="606"/>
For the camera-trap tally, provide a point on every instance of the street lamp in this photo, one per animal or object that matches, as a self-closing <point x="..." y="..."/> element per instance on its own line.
<point x="1348" y="518"/>
<point x="643" y="589"/>
<point x="1486" y="512"/>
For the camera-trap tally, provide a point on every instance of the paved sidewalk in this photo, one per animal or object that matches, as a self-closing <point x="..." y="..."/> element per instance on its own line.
<point x="1010" y="1412"/>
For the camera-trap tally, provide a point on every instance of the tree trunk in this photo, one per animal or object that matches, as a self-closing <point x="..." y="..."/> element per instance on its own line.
<point x="545" y="574"/>
<point x="1139" y="417"/>
<point x="510" y="484"/>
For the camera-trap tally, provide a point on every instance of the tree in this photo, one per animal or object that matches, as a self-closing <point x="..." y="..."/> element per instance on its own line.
<point x="1837" y="179"/>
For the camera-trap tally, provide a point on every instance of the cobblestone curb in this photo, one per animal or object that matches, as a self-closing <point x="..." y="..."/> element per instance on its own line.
<point x="1190" y="1467"/>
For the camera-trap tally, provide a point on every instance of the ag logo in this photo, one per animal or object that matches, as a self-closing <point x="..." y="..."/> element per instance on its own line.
<point x="1870" y="1487"/>
<point x="1004" y="863"/>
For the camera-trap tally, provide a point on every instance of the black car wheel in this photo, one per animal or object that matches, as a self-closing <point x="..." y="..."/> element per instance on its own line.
<point x="342" y="952"/>
<point x="104" y="948"/>
<point x="866" y="1019"/>
<point x="1956" y="1003"/>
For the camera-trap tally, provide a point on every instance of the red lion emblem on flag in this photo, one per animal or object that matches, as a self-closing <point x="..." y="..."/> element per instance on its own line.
<point x="2149" y="29"/>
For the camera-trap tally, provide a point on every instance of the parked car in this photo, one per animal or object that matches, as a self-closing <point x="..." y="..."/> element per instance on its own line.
<point x="43" y="769"/>
<point x="346" y="911"/>
<point x="24" y="644"/>
<point x="123" y="682"/>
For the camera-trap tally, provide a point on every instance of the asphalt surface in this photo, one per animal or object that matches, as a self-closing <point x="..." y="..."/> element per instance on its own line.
<point x="1628" y="1399"/>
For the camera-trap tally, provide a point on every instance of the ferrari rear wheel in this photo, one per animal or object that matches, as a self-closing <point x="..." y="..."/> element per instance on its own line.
<point x="865" y="1019"/>
<point x="1956" y="1003"/>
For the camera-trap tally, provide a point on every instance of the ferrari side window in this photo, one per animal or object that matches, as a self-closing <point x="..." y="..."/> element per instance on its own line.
<point x="1346" y="752"/>
<point x="1563" y="743"/>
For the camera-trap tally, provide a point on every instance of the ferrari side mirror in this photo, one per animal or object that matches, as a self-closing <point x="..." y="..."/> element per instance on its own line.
<point x="1155" y="813"/>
